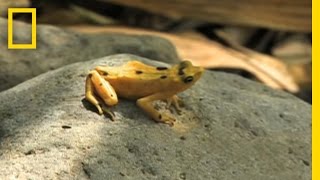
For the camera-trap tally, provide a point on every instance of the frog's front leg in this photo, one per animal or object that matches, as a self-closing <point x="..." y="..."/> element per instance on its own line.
<point x="175" y="101"/>
<point x="98" y="86"/>
<point x="145" y="103"/>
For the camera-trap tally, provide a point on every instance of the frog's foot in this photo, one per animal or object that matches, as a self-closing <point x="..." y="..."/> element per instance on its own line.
<point x="102" y="109"/>
<point x="146" y="104"/>
<point x="165" y="118"/>
<point x="176" y="102"/>
<point x="108" y="112"/>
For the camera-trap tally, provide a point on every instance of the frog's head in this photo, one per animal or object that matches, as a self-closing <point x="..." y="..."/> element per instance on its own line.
<point x="188" y="74"/>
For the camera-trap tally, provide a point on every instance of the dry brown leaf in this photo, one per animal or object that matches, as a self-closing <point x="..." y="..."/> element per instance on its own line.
<point x="288" y="15"/>
<point x="210" y="54"/>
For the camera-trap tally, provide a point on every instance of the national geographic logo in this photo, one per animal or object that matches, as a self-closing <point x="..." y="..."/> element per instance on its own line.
<point x="11" y="44"/>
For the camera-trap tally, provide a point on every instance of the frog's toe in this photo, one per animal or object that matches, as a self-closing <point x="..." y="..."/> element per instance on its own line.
<point x="109" y="113"/>
<point x="179" y="111"/>
<point x="167" y="119"/>
<point x="100" y="111"/>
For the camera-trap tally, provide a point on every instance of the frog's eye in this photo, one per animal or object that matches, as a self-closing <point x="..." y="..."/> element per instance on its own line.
<point x="188" y="79"/>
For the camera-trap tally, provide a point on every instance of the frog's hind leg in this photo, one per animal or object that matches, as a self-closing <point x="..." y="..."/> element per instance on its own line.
<point x="97" y="87"/>
<point x="90" y="95"/>
<point x="145" y="103"/>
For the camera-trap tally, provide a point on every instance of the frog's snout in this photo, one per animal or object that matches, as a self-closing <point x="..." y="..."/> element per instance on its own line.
<point x="199" y="71"/>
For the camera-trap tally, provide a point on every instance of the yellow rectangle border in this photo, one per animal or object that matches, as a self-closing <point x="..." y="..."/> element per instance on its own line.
<point x="33" y="44"/>
<point x="315" y="90"/>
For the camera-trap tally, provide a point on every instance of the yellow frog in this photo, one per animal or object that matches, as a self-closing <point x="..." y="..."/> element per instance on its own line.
<point x="141" y="82"/>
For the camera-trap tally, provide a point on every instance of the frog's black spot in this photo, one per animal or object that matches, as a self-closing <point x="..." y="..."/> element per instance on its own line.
<point x="180" y="73"/>
<point x="139" y="72"/>
<point x="163" y="77"/>
<point x="160" y="116"/>
<point x="105" y="73"/>
<point x="90" y="75"/>
<point x="188" y="79"/>
<point x="162" y="68"/>
<point x="100" y="84"/>
<point x="183" y="65"/>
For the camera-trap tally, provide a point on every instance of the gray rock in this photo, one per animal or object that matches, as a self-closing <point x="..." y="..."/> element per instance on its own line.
<point x="57" y="47"/>
<point x="230" y="128"/>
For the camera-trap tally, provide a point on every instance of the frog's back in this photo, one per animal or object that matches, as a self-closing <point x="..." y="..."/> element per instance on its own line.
<point x="135" y="79"/>
<point x="136" y="71"/>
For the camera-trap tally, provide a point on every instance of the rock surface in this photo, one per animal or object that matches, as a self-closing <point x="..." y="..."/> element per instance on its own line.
<point x="230" y="128"/>
<point x="57" y="47"/>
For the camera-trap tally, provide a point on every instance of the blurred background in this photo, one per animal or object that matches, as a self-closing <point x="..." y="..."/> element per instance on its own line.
<point x="266" y="41"/>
